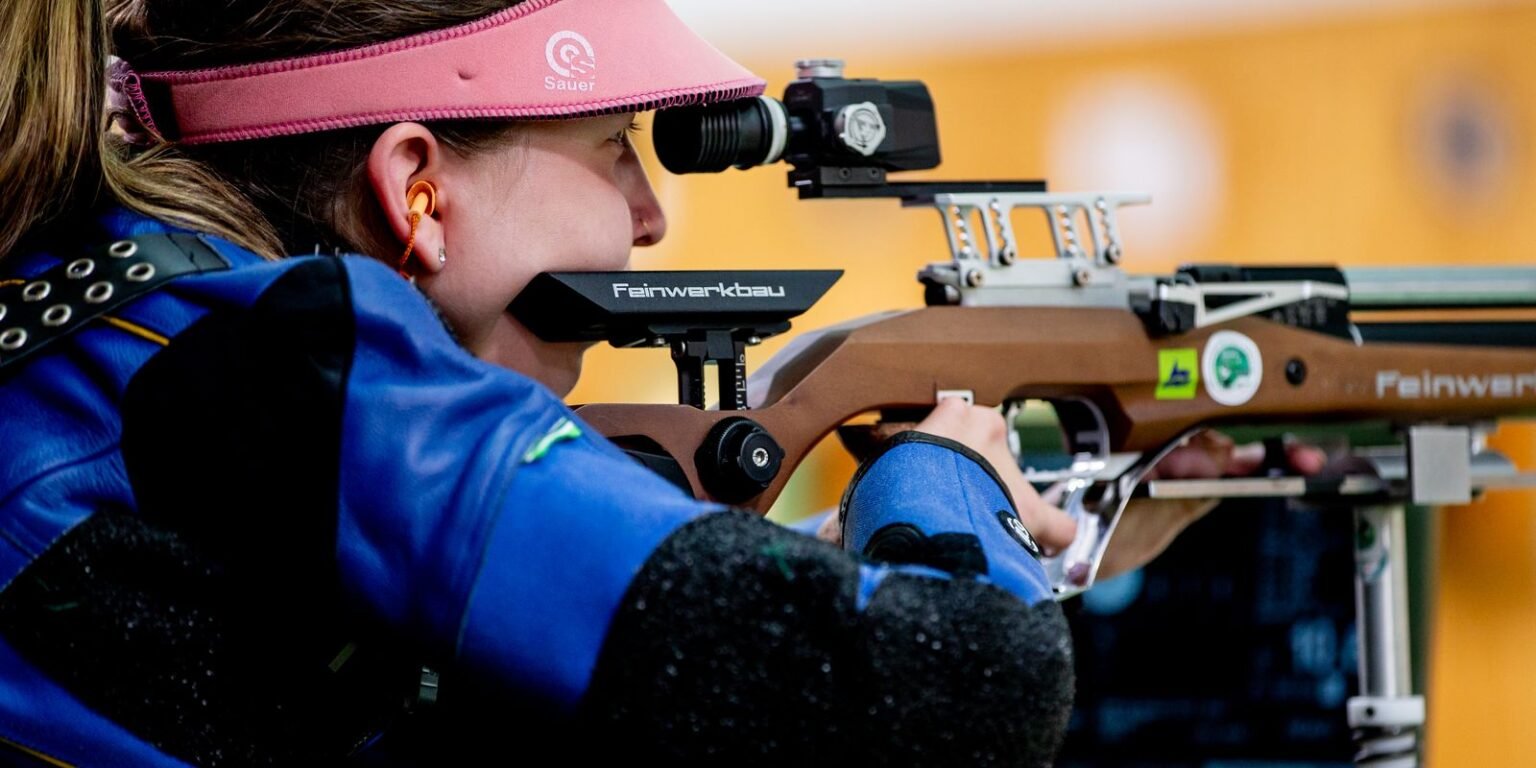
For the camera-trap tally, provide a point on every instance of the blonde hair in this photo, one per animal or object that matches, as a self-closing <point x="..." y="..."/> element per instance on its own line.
<point x="59" y="162"/>
<point x="57" y="159"/>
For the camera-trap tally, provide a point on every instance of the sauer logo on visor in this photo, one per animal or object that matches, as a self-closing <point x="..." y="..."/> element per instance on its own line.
<point x="572" y="58"/>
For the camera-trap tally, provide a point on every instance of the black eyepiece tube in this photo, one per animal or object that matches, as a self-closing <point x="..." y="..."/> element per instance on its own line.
<point x="743" y="133"/>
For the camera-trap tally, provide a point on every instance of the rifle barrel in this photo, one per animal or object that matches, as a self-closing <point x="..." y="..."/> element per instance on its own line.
<point x="1441" y="287"/>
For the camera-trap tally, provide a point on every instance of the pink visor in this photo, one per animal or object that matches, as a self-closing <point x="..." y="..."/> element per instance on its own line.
<point x="541" y="59"/>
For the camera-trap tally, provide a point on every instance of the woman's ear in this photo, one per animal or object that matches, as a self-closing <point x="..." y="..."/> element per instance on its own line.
<point x="407" y="153"/>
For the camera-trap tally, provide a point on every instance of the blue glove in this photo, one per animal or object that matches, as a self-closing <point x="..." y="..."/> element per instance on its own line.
<point x="931" y="501"/>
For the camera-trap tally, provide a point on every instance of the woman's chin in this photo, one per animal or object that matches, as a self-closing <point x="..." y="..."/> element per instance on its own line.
<point x="555" y="365"/>
<point x="565" y="369"/>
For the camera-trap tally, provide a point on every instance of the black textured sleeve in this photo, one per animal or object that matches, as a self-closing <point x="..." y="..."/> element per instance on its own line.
<point x="743" y="642"/>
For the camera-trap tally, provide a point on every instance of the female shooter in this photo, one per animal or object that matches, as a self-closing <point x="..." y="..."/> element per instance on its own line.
<point x="252" y="506"/>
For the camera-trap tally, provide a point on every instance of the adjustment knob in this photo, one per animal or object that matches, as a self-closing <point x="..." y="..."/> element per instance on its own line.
<point x="738" y="460"/>
<point x="805" y="69"/>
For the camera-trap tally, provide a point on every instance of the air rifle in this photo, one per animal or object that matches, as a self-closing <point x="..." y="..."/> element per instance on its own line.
<point x="1133" y="365"/>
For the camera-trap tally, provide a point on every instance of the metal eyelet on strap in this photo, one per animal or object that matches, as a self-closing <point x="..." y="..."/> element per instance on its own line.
<point x="12" y="339"/>
<point x="57" y="315"/>
<point x="98" y="292"/>
<point x="141" y="272"/>
<point x="83" y="286"/>
<point x="80" y="268"/>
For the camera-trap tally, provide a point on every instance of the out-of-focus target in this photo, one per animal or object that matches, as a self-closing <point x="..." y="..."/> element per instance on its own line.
<point x="1463" y="139"/>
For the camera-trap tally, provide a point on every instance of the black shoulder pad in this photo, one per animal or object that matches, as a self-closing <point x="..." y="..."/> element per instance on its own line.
<point x="35" y="313"/>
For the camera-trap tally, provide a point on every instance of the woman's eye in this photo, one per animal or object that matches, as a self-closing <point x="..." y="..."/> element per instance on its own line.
<point x="625" y="137"/>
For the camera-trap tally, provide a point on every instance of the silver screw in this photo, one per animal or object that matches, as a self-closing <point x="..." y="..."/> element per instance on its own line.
<point x="974" y="278"/>
<point x="963" y="237"/>
<point x="754" y="340"/>
<point x="1112" y="254"/>
<point x="1083" y="276"/>
<point x="760" y="457"/>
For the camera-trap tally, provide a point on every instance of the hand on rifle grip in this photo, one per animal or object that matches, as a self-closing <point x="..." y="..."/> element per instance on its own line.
<point x="1148" y="526"/>
<point x="1211" y="454"/>
<point x="984" y="431"/>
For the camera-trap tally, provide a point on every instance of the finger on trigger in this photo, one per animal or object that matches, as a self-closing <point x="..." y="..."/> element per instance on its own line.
<point x="1306" y="459"/>
<point x="1245" y="459"/>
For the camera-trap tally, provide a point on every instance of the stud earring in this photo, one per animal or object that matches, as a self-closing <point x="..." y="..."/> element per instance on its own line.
<point x="442" y="255"/>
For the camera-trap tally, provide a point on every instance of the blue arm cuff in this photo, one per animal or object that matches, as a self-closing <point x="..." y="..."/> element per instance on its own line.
<point x="927" y="494"/>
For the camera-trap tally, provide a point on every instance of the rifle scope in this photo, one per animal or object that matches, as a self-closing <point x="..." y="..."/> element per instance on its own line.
<point x="861" y="128"/>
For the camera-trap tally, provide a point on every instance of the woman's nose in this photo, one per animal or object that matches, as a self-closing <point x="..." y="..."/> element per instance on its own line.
<point x="650" y="222"/>
<point x="650" y="227"/>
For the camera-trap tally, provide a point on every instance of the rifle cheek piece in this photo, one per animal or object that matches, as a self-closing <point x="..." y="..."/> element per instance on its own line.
<point x="738" y="460"/>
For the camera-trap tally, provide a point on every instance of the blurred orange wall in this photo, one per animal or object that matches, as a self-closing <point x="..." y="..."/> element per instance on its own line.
<point x="1332" y="142"/>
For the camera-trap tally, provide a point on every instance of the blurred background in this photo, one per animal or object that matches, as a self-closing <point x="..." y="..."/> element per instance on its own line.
<point x="1353" y="132"/>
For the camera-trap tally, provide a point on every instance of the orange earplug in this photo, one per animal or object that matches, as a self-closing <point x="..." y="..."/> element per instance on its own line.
<point x="422" y="198"/>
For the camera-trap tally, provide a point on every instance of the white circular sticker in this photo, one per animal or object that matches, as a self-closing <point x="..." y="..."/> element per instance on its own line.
<point x="1231" y="368"/>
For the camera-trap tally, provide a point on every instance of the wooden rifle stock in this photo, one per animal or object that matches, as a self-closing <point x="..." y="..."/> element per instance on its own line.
<point x="899" y="361"/>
